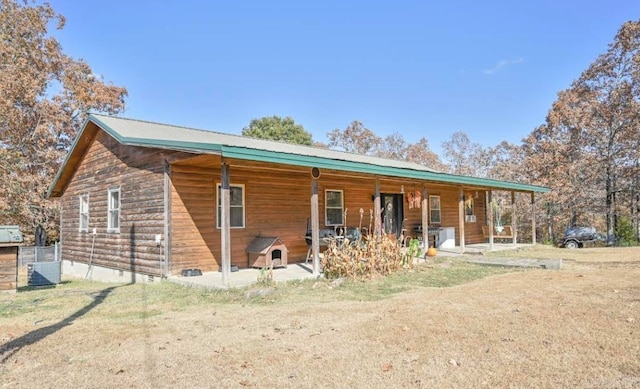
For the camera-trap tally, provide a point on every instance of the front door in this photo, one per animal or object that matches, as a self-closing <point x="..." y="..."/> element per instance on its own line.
<point x="392" y="213"/>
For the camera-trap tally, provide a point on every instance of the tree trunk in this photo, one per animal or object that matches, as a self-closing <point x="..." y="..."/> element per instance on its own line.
<point x="574" y="217"/>
<point x="635" y="203"/>
<point x="610" y="206"/>
<point x="637" y="218"/>
<point x="549" y="224"/>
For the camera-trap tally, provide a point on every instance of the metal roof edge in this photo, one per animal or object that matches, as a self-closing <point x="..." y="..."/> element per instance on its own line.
<point x="166" y="144"/>
<point x="360" y="167"/>
<point x="107" y="129"/>
<point x="289" y="158"/>
<point x="173" y="145"/>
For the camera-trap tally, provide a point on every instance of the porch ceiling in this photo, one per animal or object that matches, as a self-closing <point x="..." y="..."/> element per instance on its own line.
<point x="204" y="160"/>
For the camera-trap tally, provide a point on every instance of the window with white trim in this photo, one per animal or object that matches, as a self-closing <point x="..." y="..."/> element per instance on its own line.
<point x="334" y="207"/>
<point x="84" y="212"/>
<point x="113" y="216"/>
<point x="236" y="206"/>
<point x="435" y="210"/>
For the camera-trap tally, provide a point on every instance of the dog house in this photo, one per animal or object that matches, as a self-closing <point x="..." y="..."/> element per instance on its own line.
<point x="267" y="252"/>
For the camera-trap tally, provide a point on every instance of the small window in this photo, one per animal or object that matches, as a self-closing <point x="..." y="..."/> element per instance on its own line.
<point x="84" y="212"/>
<point x="236" y="210"/>
<point x="435" y="210"/>
<point x="113" y="218"/>
<point x="334" y="207"/>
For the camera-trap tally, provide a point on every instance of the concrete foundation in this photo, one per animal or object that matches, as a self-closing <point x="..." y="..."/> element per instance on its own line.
<point x="104" y="274"/>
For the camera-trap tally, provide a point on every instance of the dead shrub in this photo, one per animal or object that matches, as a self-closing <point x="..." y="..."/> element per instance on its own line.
<point x="366" y="258"/>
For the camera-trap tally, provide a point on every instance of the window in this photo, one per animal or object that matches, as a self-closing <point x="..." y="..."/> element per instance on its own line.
<point x="334" y="208"/>
<point x="236" y="211"/>
<point x="469" y="210"/>
<point x="84" y="213"/>
<point x="113" y="218"/>
<point x="434" y="210"/>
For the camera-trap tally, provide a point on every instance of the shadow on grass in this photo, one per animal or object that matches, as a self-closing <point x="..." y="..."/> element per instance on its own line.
<point x="8" y="349"/>
<point x="29" y="288"/>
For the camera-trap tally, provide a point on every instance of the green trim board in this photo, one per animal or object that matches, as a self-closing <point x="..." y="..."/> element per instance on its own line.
<point x="267" y="156"/>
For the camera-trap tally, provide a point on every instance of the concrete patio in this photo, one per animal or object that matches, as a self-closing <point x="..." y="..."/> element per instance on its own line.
<point x="245" y="277"/>
<point x="304" y="271"/>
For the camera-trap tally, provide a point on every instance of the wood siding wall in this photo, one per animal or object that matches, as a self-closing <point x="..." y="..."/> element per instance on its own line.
<point x="278" y="204"/>
<point x="139" y="173"/>
<point x="449" y="198"/>
<point x="8" y="269"/>
<point x="195" y="243"/>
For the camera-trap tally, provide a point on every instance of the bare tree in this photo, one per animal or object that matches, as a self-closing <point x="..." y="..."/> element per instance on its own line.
<point x="393" y="147"/>
<point x="462" y="155"/>
<point x="356" y="138"/>
<point x="422" y="154"/>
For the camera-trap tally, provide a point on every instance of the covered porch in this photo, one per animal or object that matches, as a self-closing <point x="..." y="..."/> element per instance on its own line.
<point x="219" y="204"/>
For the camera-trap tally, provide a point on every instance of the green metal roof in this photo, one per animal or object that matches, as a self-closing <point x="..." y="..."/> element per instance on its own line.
<point x="147" y="134"/>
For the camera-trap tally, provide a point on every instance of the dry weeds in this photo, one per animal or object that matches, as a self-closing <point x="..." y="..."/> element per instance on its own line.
<point x="577" y="327"/>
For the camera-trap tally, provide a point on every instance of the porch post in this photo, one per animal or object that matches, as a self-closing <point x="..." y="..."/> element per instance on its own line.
<point x="425" y="218"/>
<point x="225" y="227"/>
<point x="514" y="218"/>
<point x="377" y="211"/>
<point x="167" y="218"/>
<point x="490" y="208"/>
<point x="315" y="228"/>
<point x="533" y="218"/>
<point x="461" y="218"/>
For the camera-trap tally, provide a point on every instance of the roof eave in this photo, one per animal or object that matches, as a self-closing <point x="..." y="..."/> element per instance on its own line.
<point x="57" y="187"/>
<point x="246" y="153"/>
<point x="51" y="192"/>
<point x="359" y="167"/>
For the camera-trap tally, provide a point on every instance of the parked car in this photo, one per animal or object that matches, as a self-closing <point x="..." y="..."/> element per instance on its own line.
<point x="576" y="237"/>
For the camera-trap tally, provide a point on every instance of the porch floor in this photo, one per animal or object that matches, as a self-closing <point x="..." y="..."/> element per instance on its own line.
<point x="303" y="271"/>
<point x="245" y="277"/>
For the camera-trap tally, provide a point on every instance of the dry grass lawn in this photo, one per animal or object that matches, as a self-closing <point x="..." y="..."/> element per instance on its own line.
<point x="577" y="327"/>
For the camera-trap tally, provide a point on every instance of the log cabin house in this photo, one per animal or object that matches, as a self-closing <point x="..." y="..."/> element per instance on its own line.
<point x="143" y="199"/>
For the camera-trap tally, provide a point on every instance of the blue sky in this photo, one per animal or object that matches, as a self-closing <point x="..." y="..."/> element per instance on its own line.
<point x="422" y="68"/>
